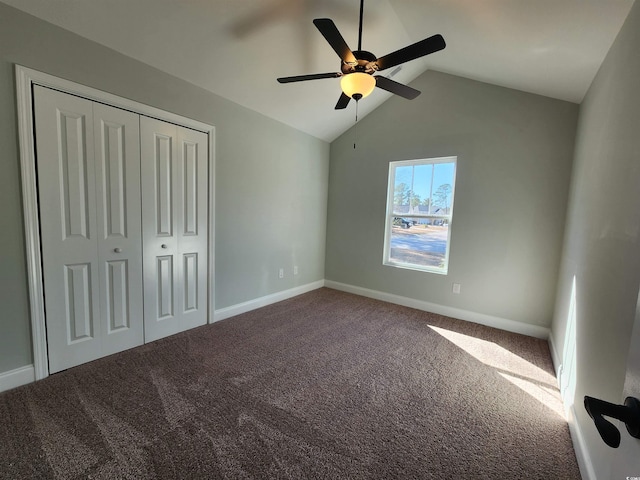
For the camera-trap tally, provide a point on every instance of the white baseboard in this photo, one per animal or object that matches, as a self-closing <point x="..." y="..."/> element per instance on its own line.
<point x="579" y="445"/>
<point x="577" y="438"/>
<point x="488" y="320"/>
<point x="244" y="307"/>
<point x="17" y="377"/>
<point x="555" y="359"/>
<point x="23" y="375"/>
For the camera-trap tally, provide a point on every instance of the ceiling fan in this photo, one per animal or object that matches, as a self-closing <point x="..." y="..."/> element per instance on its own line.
<point x="358" y="66"/>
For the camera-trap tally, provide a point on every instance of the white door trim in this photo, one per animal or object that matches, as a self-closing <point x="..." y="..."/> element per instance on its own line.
<point x="25" y="79"/>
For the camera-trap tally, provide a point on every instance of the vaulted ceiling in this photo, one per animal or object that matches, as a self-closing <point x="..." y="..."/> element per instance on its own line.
<point x="237" y="48"/>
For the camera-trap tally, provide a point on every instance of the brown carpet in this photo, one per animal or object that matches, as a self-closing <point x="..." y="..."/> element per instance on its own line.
<point x="324" y="385"/>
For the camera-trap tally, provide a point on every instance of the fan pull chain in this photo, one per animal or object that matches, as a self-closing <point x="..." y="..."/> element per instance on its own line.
<point x="355" y="129"/>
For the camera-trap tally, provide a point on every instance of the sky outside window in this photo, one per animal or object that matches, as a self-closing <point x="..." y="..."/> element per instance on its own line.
<point x="424" y="180"/>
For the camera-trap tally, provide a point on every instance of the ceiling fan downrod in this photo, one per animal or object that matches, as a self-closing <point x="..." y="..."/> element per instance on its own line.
<point x="360" y="26"/>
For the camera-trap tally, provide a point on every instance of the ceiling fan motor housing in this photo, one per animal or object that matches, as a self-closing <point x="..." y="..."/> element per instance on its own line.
<point x="365" y="63"/>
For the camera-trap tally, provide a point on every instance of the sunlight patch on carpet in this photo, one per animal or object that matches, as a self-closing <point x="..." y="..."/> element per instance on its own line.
<point x="544" y="394"/>
<point x="531" y="379"/>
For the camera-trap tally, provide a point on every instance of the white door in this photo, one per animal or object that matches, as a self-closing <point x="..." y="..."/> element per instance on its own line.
<point x="88" y="164"/>
<point x="626" y="458"/>
<point x="175" y="238"/>
<point x="117" y="156"/>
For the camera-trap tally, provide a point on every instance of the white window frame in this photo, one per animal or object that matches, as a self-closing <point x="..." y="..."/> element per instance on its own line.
<point x="390" y="215"/>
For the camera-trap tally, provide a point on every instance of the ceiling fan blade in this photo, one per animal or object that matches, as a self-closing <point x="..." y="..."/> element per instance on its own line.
<point x="416" y="50"/>
<point x="397" y="88"/>
<point x="343" y="101"/>
<point x="330" y="32"/>
<point x="313" y="76"/>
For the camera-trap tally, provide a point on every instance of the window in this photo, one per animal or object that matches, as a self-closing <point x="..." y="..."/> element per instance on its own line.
<point x="419" y="213"/>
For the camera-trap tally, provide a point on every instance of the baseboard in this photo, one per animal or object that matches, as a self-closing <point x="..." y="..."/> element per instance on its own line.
<point x="24" y="375"/>
<point x="244" y="307"/>
<point x="488" y="320"/>
<point x="555" y="359"/>
<point x="579" y="445"/>
<point x="577" y="438"/>
<point x="17" y="377"/>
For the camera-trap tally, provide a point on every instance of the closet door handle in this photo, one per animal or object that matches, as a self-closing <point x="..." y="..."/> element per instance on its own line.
<point x="164" y="245"/>
<point x="117" y="250"/>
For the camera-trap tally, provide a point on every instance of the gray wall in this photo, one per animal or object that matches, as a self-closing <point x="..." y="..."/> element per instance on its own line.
<point x="601" y="246"/>
<point x="514" y="162"/>
<point x="271" y="180"/>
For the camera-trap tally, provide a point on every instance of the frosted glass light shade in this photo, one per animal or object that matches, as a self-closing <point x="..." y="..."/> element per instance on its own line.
<point x="357" y="83"/>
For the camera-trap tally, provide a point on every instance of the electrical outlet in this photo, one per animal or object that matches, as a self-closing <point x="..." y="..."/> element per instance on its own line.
<point x="281" y="273"/>
<point x="456" y="288"/>
<point x="295" y="269"/>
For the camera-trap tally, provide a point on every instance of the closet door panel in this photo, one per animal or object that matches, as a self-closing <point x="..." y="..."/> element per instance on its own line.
<point x="159" y="145"/>
<point x="165" y="281"/>
<point x="174" y="203"/>
<point x="164" y="158"/>
<point x="67" y="199"/>
<point x="78" y="303"/>
<point x="159" y="158"/>
<point x="117" y="298"/>
<point x="117" y="153"/>
<point x="191" y="301"/>
<point x="193" y="222"/>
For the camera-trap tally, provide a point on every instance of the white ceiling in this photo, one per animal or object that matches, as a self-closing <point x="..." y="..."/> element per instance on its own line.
<point x="237" y="48"/>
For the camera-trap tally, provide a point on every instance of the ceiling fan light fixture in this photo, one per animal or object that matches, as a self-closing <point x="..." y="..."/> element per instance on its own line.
<point x="357" y="83"/>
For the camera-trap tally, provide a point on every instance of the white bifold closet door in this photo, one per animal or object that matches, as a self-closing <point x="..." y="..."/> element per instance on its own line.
<point x="175" y="227"/>
<point x="88" y="164"/>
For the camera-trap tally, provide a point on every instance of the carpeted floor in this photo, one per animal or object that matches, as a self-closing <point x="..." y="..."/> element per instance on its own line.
<point x="325" y="385"/>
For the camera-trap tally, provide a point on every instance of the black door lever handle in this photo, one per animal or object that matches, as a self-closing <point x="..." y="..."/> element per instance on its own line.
<point x="629" y="413"/>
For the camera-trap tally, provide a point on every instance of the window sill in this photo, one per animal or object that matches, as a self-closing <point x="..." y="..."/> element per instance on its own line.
<point x="417" y="268"/>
